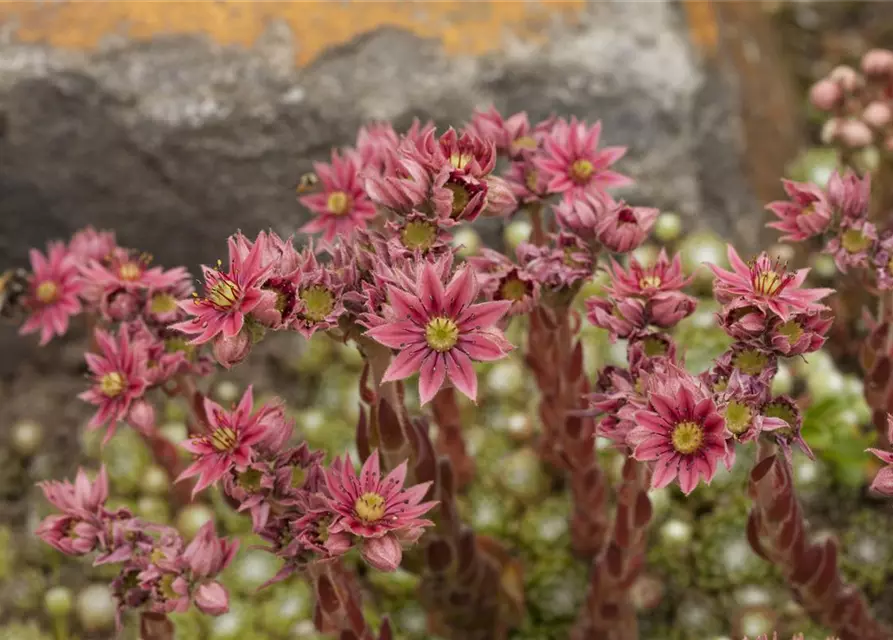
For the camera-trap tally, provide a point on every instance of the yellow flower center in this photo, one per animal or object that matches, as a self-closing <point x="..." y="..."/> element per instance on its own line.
<point x="738" y="417"/>
<point x="250" y="480"/>
<point x="650" y="282"/>
<point x="166" y="586"/>
<point x="531" y="180"/>
<point x="751" y="361"/>
<point x="370" y="507"/>
<point x="655" y="347"/>
<point x="298" y="475"/>
<point x="224" y="294"/>
<point x="223" y="438"/>
<point x="112" y="384"/>
<point x="687" y="437"/>
<point x="338" y="203"/>
<point x="318" y="302"/>
<point x="524" y="142"/>
<point x="47" y="291"/>
<point x="808" y="211"/>
<point x="163" y="303"/>
<point x="767" y="283"/>
<point x="461" y="160"/>
<point x="854" y="241"/>
<point x="791" y="330"/>
<point x="441" y="334"/>
<point x="513" y="289"/>
<point x="783" y="411"/>
<point x="460" y="197"/>
<point x="890" y="266"/>
<point x="581" y="171"/>
<point x="418" y="235"/>
<point x="130" y="271"/>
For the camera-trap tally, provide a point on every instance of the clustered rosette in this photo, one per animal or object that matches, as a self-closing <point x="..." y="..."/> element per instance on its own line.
<point x="770" y="315"/>
<point x="159" y="571"/>
<point x="268" y="285"/>
<point x="838" y="214"/>
<point x="306" y="512"/>
<point x="642" y="297"/>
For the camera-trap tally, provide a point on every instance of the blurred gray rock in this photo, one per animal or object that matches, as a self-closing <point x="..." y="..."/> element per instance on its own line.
<point x="177" y="142"/>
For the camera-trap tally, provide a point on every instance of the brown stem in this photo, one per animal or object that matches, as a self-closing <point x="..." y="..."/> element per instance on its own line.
<point x="568" y="439"/>
<point x="538" y="233"/>
<point x="338" y="604"/>
<point x="608" y="613"/>
<point x="155" y="626"/>
<point x="450" y="441"/>
<point x="777" y="531"/>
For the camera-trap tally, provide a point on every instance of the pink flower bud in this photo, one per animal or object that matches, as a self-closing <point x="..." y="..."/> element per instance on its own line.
<point x="500" y="199"/>
<point x="383" y="553"/>
<point x="121" y="306"/>
<point x="212" y="598"/>
<point x="231" y="351"/>
<point x="831" y="130"/>
<point x="846" y="78"/>
<point x="855" y="134"/>
<point x="878" y="62"/>
<point x="825" y="95"/>
<point x="142" y="416"/>
<point x="877" y="114"/>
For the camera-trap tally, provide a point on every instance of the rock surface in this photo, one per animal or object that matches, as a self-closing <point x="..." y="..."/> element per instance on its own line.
<point x="177" y="141"/>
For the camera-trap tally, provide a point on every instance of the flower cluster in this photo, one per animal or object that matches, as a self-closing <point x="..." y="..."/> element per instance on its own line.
<point x="160" y="572"/>
<point x="642" y="297"/>
<point x="305" y="512"/>
<point x="860" y="104"/>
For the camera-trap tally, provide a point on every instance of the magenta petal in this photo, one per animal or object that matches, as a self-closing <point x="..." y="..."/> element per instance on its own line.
<point x="396" y="335"/>
<point x="688" y="477"/>
<point x="432" y="291"/>
<point x="480" y="347"/>
<point x="461" y="372"/>
<point x="460" y="292"/>
<point x="664" y="471"/>
<point x="431" y="378"/>
<point x="484" y="314"/>
<point x="406" y="363"/>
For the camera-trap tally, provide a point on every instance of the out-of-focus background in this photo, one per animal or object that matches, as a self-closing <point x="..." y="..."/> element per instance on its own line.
<point x="176" y="123"/>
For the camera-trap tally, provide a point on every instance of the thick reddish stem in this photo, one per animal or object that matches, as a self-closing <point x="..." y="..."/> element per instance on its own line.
<point x="777" y="531"/>
<point x="450" y="441"/>
<point x="608" y="613"/>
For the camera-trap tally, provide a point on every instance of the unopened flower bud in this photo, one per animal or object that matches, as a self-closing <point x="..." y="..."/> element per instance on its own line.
<point x="231" y="351"/>
<point x="212" y="598"/>
<point x="846" y="78"/>
<point x="878" y="62"/>
<point x="500" y="199"/>
<point x="142" y="416"/>
<point x="27" y="437"/>
<point x="825" y="95"/>
<point x="855" y="134"/>
<point x="383" y="553"/>
<point x="122" y="306"/>
<point x="831" y="130"/>
<point x="877" y="114"/>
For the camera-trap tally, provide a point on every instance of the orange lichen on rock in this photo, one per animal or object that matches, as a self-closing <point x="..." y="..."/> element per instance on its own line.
<point x="462" y="27"/>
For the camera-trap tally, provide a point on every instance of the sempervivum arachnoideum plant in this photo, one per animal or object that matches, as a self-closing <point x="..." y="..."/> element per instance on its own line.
<point x="396" y="282"/>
